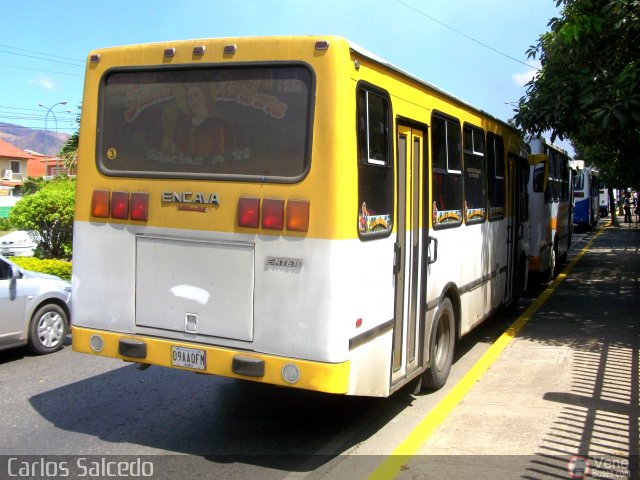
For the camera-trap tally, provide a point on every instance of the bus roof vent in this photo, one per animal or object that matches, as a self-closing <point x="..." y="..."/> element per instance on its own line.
<point x="322" y="45"/>
<point x="169" y="52"/>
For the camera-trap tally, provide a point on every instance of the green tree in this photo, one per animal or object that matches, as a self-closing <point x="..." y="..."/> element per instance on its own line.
<point x="588" y="89"/>
<point x="49" y="214"/>
<point x="31" y="185"/>
<point x="69" y="151"/>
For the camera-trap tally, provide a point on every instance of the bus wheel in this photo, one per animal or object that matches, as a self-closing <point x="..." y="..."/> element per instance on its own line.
<point x="551" y="273"/>
<point x="521" y="278"/>
<point x="441" y="346"/>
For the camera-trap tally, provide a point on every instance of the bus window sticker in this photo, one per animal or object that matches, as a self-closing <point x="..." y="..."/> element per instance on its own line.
<point x="443" y="217"/>
<point x="369" y="223"/>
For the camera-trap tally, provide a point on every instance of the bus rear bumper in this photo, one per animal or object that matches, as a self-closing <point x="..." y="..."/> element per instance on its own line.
<point x="283" y="371"/>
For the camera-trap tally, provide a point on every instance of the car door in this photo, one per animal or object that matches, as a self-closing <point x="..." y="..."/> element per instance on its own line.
<point x="12" y="300"/>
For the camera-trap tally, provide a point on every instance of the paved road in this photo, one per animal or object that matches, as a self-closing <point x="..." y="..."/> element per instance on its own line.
<point x="73" y="404"/>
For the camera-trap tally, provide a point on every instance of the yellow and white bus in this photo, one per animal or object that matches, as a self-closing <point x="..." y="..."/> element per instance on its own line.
<point x="289" y="210"/>
<point x="550" y="208"/>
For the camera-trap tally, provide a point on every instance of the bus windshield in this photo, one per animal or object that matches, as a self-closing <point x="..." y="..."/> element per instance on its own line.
<point x="252" y="123"/>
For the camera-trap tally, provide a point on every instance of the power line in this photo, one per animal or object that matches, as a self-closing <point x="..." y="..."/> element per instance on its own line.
<point x="41" y="70"/>
<point x="41" y="58"/>
<point x="16" y="127"/>
<point x="465" y="35"/>
<point x="81" y="63"/>
<point x="38" y="110"/>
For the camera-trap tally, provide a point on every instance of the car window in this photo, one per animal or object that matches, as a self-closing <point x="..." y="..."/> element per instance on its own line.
<point x="4" y="270"/>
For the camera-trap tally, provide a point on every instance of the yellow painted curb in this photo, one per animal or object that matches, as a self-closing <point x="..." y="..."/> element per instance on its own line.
<point x="403" y="453"/>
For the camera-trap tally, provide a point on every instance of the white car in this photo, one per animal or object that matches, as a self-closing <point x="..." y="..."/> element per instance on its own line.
<point x="34" y="309"/>
<point x="18" y="244"/>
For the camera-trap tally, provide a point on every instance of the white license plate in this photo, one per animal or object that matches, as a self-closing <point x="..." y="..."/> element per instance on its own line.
<point x="188" y="357"/>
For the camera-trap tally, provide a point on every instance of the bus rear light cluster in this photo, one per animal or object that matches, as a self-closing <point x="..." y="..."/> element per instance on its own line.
<point x="273" y="214"/>
<point x="120" y="205"/>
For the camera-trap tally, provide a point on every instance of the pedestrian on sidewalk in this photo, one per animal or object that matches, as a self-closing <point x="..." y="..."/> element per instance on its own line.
<point x="627" y="207"/>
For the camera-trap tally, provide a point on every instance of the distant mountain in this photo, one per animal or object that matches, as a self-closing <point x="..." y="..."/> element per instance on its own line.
<point x="33" y="139"/>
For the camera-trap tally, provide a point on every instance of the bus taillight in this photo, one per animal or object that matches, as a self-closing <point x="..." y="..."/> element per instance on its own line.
<point x="100" y="203"/>
<point x="139" y="206"/>
<point x="120" y="205"/>
<point x="298" y="215"/>
<point x="272" y="214"/>
<point x="248" y="212"/>
<point x="275" y="215"/>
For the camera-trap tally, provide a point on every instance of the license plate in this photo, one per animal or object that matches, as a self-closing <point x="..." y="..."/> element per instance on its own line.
<point x="188" y="357"/>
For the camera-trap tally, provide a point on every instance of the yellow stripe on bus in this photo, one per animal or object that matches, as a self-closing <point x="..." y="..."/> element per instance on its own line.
<point x="316" y="376"/>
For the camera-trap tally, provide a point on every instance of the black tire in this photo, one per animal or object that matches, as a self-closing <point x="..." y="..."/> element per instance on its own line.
<point x="48" y="329"/>
<point x="441" y="346"/>
<point x="520" y="281"/>
<point x="550" y="274"/>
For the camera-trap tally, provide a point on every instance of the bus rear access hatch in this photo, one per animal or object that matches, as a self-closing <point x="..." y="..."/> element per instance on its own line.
<point x="195" y="286"/>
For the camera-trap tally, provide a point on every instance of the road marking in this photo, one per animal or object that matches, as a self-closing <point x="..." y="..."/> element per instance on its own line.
<point x="395" y="462"/>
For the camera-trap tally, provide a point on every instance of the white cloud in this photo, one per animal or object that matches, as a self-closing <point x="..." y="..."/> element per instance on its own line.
<point x="520" y="79"/>
<point x="43" y="81"/>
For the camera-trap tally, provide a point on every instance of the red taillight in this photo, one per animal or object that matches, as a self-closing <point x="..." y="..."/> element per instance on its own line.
<point x="100" y="203"/>
<point x="298" y="215"/>
<point x="273" y="214"/>
<point x="248" y="212"/>
<point x="120" y="205"/>
<point x="139" y="206"/>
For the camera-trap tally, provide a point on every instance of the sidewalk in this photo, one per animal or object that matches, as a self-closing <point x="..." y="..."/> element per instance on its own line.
<point x="566" y="386"/>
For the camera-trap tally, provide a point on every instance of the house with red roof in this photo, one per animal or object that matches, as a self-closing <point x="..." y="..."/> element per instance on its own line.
<point x="16" y="165"/>
<point x="13" y="164"/>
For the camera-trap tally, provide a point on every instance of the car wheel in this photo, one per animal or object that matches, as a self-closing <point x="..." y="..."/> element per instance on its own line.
<point x="49" y="326"/>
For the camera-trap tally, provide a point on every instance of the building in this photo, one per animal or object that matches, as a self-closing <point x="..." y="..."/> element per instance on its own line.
<point x="13" y="168"/>
<point x="13" y="164"/>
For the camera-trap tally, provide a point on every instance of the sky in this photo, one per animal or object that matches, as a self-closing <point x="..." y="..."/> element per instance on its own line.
<point x="473" y="49"/>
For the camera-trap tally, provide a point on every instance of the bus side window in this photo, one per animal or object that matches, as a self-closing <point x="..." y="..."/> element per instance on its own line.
<point x="538" y="178"/>
<point x="475" y="190"/>
<point x="375" y="171"/>
<point x="446" y="174"/>
<point x="495" y="174"/>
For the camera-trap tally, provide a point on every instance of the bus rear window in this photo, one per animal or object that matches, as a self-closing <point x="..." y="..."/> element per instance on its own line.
<point x="249" y="123"/>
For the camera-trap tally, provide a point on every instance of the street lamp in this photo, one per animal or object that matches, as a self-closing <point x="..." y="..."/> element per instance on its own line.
<point x="46" y="132"/>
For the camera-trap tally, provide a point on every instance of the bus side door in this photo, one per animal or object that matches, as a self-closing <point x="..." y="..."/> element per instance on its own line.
<point x="409" y="268"/>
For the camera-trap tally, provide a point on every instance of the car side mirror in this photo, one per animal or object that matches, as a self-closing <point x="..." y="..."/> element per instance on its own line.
<point x="15" y="273"/>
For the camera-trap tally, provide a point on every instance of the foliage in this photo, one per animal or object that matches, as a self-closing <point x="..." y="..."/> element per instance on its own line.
<point x="5" y="226"/>
<point x="31" y="185"/>
<point x="69" y="152"/>
<point x="588" y="88"/>
<point x="49" y="213"/>
<point x="60" y="268"/>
